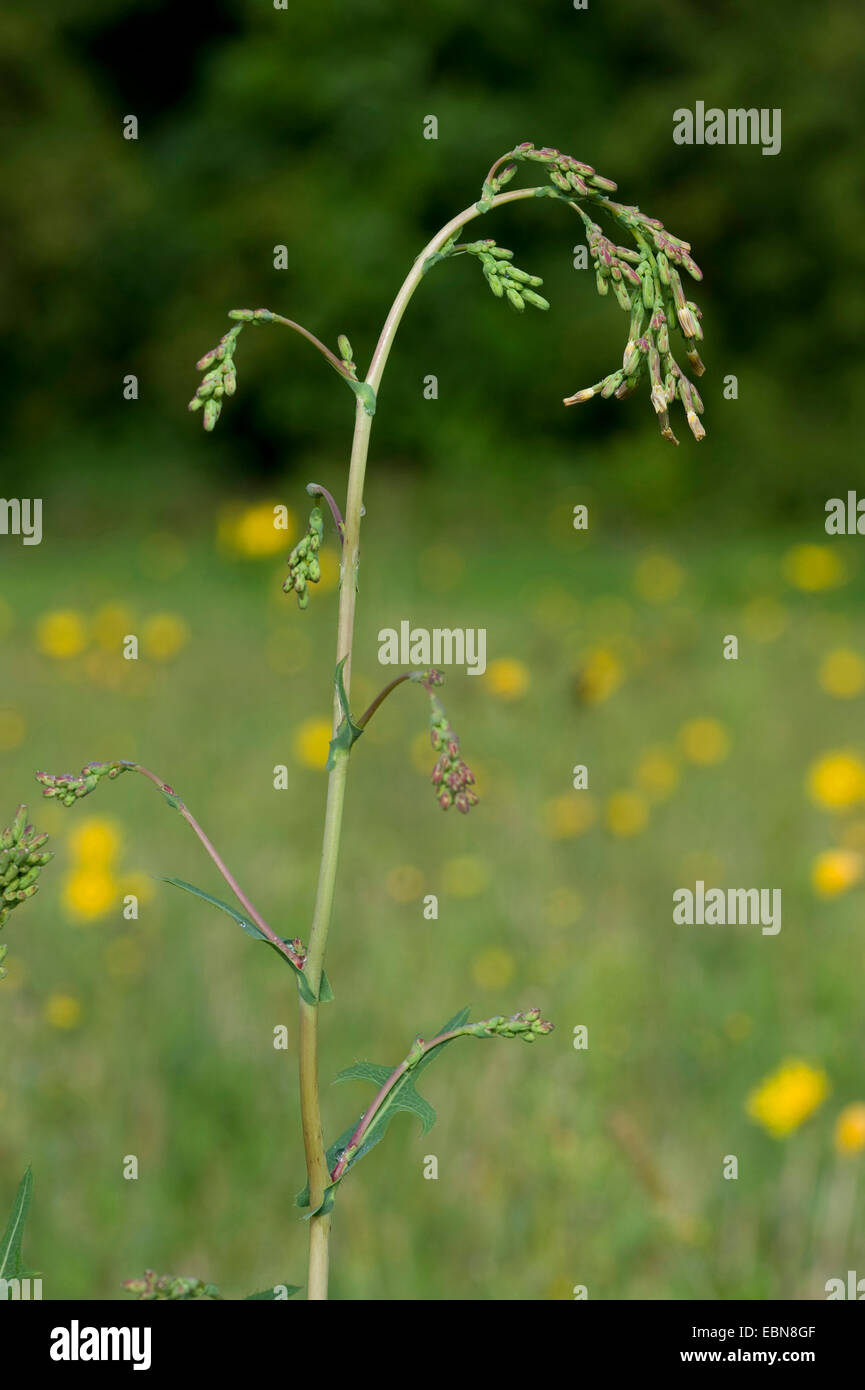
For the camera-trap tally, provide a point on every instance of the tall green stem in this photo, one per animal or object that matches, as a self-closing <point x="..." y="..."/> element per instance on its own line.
<point x="316" y="1160"/>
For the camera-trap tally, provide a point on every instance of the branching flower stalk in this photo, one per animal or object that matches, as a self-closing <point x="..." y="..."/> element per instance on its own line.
<point x="645" y="280"/>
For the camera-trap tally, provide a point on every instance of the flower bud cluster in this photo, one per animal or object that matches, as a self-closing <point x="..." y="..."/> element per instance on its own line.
<point x="504" y="279"/>
<point x="452" y="778"/>
<point x="528" y="1026"/>
<point x="68" y="788"/>
<point x="220" y="377"/>
<point x="303" y="563"/>
<point x="22" y="858"/>
<point x="154" y="1288"/>
<point x="645" y="282"/>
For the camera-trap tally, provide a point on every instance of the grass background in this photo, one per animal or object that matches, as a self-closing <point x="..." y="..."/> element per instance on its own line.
<point x="557" y="1166"/>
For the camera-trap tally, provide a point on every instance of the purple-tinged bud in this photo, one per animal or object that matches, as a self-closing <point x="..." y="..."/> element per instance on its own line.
<point x="577" y="183"/>
<point x="560" y="181"/>
<point x="676" y="287"/>
<point x="606" y="185"/>
<point x="242" y="315"/>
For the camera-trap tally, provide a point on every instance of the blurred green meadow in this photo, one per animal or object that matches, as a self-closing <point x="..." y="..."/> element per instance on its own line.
<point x="557" y="1166"/>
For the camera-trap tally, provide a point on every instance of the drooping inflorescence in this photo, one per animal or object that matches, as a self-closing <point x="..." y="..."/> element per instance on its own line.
<point x="452" y="778"/>
<point x="220" y="377"/>
<point x="304" y="567"/>
<point x="69" y="788"/>
<point x="22" y="858"/>
<point x="645" y="281"/>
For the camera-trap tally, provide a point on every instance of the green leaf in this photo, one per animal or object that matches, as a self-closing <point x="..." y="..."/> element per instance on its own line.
<point x="290" y="1291"/>
<point x="325" y="991"/>
<point x="348" y="732"/>
<point x="403" y="1096"/>
<point x="10" y="1242"/>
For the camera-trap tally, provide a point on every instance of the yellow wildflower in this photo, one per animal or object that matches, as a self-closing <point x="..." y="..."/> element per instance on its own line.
<point x="600" y="676"/>
<point x="164" y="636"/>
<point x="704" y="741"/>
<point x="626" y="814"/>
<point x="837" y="780"/>
<point x="62" y="1011"/>
<point x="312" y="742"/>
<point x="813" y="568"/>
<point x="507" y="678"/>
<point x="89" y="893"/>
<point x="569" y="815"/>
<point x="835" y="871"/>
<point x="785" y="1099"/>
<point x="842" y="673"/>
<point x="850" y="1129"/>
<point x="253" y="531"/>
<point x="95" y="842"/>
<point x="61" y="634"/>
<point x="657" y="773"/>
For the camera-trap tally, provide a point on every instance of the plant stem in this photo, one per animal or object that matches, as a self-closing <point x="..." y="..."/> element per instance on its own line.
<point x="316" y="1161"/>
<point x="238" y="892"/>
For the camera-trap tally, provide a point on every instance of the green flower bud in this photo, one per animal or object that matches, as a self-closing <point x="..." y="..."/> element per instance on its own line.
<point x="536" y="299"/>
<point x="516" y="299"/>
<point x="18" y="824"/>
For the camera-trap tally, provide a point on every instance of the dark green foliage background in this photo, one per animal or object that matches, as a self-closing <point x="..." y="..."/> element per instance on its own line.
<point x="260" y="127"/>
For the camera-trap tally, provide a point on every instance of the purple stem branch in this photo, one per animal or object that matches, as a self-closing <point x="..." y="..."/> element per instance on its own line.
<point x="419" y="1050"/>
<point x="332" y="358"/>
<point x="221" y="865"/>
<point x="420" y="677"/>
<point x="316" y="490"/>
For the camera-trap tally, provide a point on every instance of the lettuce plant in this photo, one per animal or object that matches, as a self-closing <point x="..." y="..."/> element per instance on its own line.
<point x="645" y="279"/>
